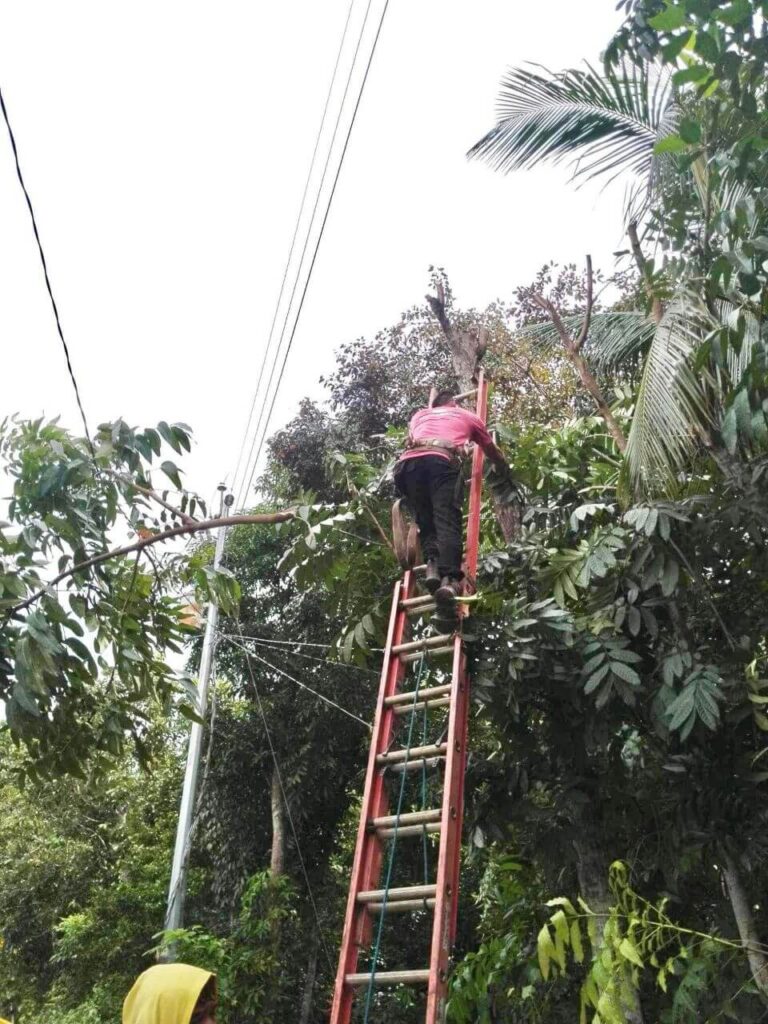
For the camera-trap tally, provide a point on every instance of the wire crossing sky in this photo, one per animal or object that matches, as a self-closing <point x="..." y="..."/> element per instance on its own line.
<point x="166" y="168"/>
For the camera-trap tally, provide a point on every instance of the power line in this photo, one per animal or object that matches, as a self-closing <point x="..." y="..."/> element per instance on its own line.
<point x="293" y="243"/>
<point x="320" y="696"/>
<point x="244" y="488"/>
<point x="45" y="272"/>
<point x="308" y="657"/>
<point x="255" y="461"/>
<point x="279" y="775"/>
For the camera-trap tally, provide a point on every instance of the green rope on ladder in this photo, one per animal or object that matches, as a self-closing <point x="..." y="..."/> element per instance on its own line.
<point x="393" y="844"/>
<point x="424" y="734"/>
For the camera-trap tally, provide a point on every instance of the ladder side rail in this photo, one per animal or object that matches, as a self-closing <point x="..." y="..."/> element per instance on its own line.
<point x="449" y="857"/>
<point x="450" y="840"/>
<point x="367" y="858"/>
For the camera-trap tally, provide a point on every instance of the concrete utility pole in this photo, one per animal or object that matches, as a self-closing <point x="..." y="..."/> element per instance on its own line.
<point x="174" y="915"/>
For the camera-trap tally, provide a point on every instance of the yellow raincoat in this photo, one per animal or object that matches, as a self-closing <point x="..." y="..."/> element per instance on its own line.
<point x="165" y="994"/>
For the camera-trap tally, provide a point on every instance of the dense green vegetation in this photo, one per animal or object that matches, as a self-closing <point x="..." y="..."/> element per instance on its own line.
<point x="614" y="863"/>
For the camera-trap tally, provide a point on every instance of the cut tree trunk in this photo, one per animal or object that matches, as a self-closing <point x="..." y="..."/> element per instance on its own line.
<point x="277" y="861"/>
<point x="745" y="922"/>
<point x="467" y="349"/>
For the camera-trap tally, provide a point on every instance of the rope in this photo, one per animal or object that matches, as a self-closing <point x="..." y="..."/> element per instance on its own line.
<point x="320" y="696"/>
<point x="293" y="243"/>
<point x="279" y="775"/>
<point x="45" y="273"/>
<point x="317" y="246"/>
<point x="392" y="847"/>
<point x="424" y="730"/>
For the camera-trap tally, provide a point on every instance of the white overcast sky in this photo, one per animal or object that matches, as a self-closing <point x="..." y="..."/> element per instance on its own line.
<point x="165" y="146"/>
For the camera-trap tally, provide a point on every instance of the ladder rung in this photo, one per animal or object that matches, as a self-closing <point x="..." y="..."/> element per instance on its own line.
<point x="420" y="568"/>
<point x="409" y="818"/>
<point x="408" y="830"/>
<point x="419" y="645"/>
<point x="431" y="651"/>
<point x="420" y="609"/>
<point x="407" y="892"/>
<point x="427" y="693"/>
<point x="428" y="763"/>
<point x="389" y="978"/>
<point x="402" y="906"/>
<point x="413" y="602"/>
<point x="465" y="394"/>
<point x="442" y="702"/>
<point x="396" y="756"/>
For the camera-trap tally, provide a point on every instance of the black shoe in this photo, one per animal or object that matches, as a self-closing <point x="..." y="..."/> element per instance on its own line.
<point x="448" y="591"/>
<point x="432" y="577"/>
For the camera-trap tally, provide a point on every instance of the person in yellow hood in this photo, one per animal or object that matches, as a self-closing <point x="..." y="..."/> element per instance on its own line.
<point x="172" y="994"/>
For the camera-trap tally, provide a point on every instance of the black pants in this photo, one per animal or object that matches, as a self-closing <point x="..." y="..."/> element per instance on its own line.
<point x="433" y="488"/>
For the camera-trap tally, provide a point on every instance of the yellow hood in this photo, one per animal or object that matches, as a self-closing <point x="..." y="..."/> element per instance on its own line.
<point x="165" y="994"/>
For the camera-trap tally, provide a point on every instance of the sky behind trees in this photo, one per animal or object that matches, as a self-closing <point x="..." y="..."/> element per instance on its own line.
<point x="165" y="148"/>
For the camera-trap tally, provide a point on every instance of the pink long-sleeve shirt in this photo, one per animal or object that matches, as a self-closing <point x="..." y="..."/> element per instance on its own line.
<point x="449" y="423"/>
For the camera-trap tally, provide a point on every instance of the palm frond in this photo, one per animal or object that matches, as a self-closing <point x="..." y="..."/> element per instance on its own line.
<point x="602" y="123"/>
<point x="615" y="338"/>
<point x="672" y="400"/>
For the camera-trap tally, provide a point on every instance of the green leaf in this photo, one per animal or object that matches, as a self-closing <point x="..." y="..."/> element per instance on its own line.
<point x="629" y="951"/>
<point x="171" y="471"/>
<point x="696" y="73"/>
<point x="626" y="673"/>
<point x="576" y="943"/>
<point x="736" y="13"/>
<point x="670" y="19"/>
<point x="670" y="577"/>
<point x="670" y="144"/>
<point x="546" y="951"/>
<point x="689" y="130"/>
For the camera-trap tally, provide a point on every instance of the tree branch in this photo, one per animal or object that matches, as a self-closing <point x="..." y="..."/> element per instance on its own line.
<point x="588" y="313"/>
<point x="578" y="361"/>
<point x="187" y="520"/>
<point x="156" y="538"/>
<point x="642" y="266"/>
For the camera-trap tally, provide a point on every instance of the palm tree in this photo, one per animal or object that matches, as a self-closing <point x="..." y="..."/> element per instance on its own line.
<point x="601" y="124"/>
<point x="605" y="124"/>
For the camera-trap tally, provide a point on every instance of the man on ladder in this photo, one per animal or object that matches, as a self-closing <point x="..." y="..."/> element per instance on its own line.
<point x="428" y="475"/>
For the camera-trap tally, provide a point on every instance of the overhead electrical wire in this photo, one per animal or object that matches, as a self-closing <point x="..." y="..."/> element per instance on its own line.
<point x="67" y="355"/>
<point x="261" y="431"/>
<point x="342" y="104"/>
<point x="298" y="682"/>
<point x="292" y="245"/>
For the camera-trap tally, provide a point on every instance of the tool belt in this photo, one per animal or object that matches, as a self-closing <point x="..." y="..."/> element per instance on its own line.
<point x="437" y="445"/>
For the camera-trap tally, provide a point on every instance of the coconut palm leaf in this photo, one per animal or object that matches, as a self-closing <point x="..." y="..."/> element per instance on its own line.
<point x="602" y="123"/>
<point x="615" y="338"/>
<point x="673" y="402"/>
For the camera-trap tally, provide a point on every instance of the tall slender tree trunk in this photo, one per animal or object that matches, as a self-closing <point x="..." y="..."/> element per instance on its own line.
<point x="745" y="922"/>
<point x="309" y="980"/>
<point x="277" y="861"/>
<point x="592" y="875"/>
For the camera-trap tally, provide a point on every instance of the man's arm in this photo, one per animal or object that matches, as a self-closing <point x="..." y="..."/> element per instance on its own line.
<point x="481" y="436"/>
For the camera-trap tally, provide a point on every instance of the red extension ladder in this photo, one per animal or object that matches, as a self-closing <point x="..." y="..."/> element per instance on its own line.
<point x="371" y="909"/>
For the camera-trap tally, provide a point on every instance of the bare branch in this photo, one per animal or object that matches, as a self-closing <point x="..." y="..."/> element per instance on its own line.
<point x="578" y="361"/>
<point x="556" y="319"/>
<point x="590" y="300"/>
<point x="437" y="305"/>
<point x="155" y="538"/>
